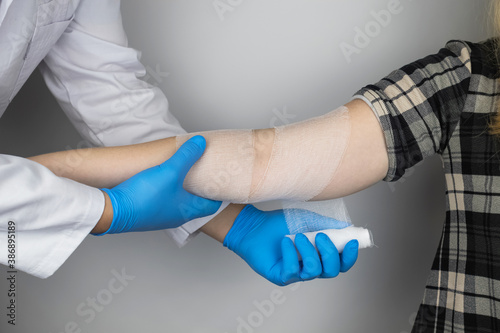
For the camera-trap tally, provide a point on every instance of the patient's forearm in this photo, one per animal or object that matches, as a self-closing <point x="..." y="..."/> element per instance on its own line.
<point x="364" y="160"/>
<point x="325" y="157"/>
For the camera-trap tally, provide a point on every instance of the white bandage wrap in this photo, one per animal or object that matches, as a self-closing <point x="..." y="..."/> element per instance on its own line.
<point x="340" y="237"/>
<point x="292" y="162"/>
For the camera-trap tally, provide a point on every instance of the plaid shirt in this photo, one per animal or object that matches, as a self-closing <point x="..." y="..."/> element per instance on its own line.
<point x="442" y="104"/>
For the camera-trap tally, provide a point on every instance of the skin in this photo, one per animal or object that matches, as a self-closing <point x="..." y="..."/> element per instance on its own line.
<point x="365" y="162"/>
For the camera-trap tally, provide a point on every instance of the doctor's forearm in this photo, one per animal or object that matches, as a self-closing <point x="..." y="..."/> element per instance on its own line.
<point x="109" y="166"/>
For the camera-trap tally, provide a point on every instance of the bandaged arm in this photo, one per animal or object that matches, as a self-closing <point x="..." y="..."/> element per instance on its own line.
<point x="362" y="161"/>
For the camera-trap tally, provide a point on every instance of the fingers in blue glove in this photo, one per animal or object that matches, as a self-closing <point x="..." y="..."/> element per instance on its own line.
<point x="311" y="264"/>
<point x="186" y="156"/>
<point x="291" y="265"/>
<point x="192" y="206"/>
<point x="349" y="255"/>
<point x="330" y="258"/>
<point x="155" y="199"/>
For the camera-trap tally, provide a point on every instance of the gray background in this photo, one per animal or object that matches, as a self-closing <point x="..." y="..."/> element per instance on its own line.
<point x="264" y="57"/>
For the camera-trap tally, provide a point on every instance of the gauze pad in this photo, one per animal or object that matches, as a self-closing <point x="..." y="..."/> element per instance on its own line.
<point x="292" y="162"/>
<point x="332" y="209"/>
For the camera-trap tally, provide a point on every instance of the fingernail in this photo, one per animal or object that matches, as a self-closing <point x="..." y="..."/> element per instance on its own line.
<point x="300" y="237"/>
<point x="322" y="236"/>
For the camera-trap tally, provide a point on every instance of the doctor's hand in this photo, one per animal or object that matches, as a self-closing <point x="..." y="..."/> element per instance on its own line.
<point x="258" y="237"/>
<point x="155" y="199"/>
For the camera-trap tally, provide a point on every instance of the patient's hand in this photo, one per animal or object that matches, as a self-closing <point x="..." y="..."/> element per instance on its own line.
<point x="258" y="237"/>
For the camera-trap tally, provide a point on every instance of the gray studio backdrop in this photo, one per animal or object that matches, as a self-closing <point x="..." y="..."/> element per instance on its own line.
<point x="245" y="64"/>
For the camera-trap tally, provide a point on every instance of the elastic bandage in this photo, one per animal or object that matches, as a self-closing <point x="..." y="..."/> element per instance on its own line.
<point x="291" y="162"/>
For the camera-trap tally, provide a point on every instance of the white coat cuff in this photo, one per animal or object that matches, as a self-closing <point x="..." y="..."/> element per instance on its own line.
<point x="68" y="240"/>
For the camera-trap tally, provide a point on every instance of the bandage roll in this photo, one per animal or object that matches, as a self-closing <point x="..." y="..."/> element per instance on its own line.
<point x="335" y="222"/>
<point x="340" y="237"/>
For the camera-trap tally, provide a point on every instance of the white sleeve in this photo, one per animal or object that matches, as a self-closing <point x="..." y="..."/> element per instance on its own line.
<point x="52" y="215"/>
<point x="96" y="79"/>
<point x="94" y="76"/>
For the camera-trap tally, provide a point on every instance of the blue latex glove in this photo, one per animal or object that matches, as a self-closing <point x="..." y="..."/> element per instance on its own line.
<point x="155" y="199"/>
<point x="258" y="237"/>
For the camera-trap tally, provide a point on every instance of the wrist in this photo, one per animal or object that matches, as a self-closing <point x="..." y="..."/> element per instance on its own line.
<point x="247" y="220"/>
<point x="219" y="226"/>
<point x="104" y="223"/>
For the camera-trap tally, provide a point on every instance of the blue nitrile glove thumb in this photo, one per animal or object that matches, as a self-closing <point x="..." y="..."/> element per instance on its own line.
<point x="258" y="237"/>
<point x="155" y="199"/>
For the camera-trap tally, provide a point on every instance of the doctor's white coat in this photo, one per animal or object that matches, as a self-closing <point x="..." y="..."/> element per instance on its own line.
<point x="81" y="49"/>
